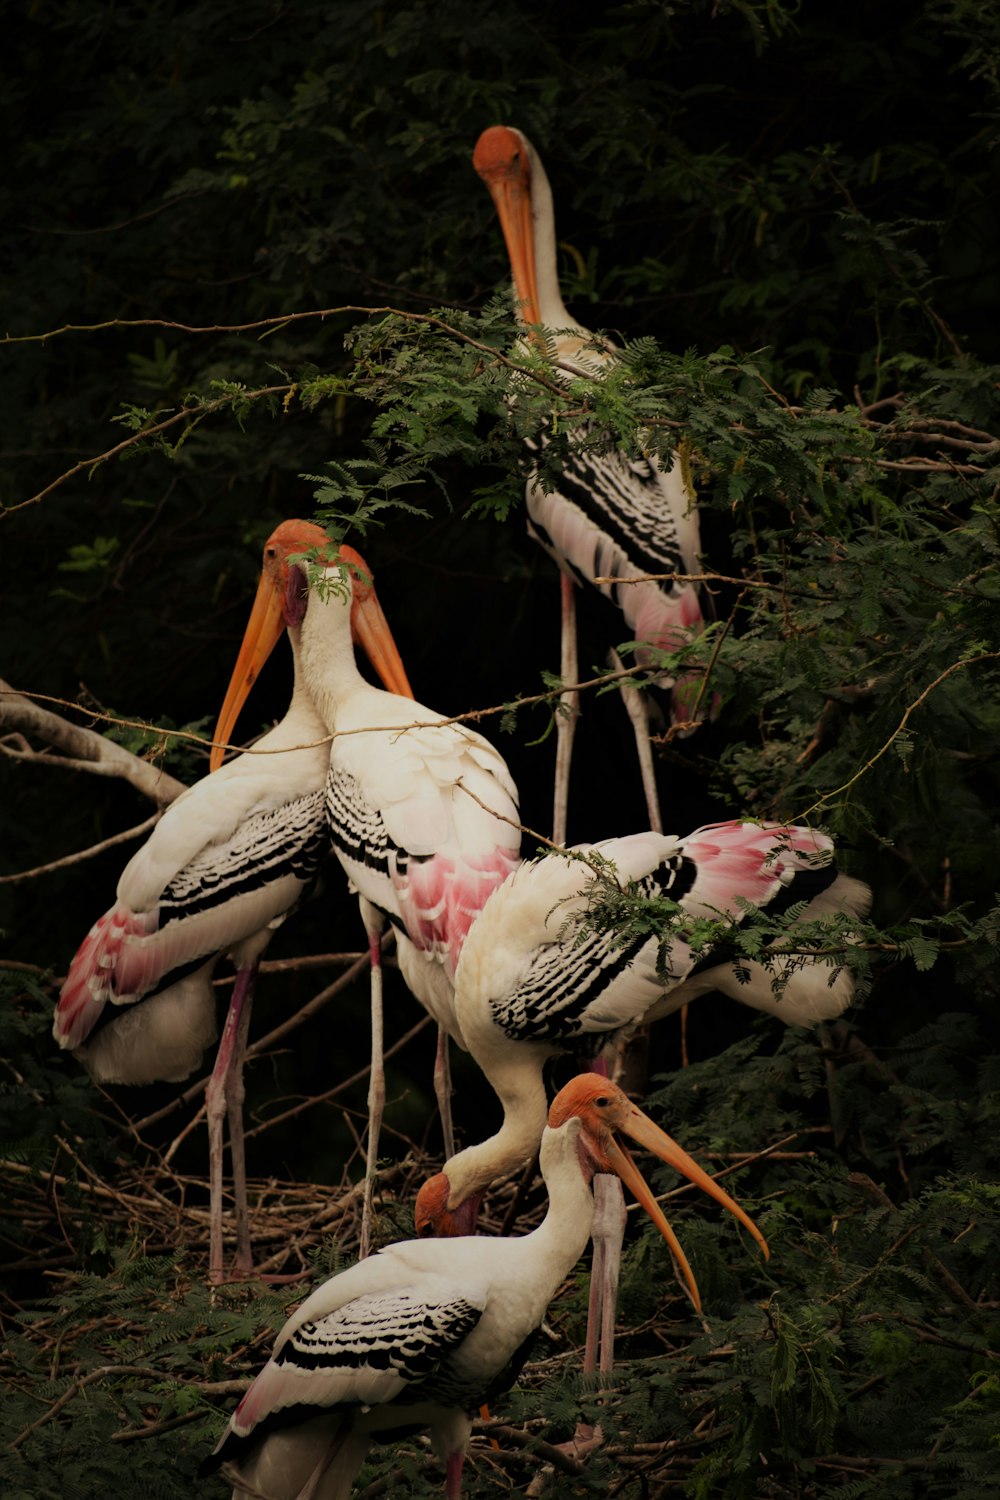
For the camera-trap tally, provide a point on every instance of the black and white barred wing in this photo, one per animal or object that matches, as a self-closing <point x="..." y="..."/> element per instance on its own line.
<point x="230" y="858"/>
<point x="535" y="968"/>
<point x="613" y="516"/>
<point x="368" y="1352"/>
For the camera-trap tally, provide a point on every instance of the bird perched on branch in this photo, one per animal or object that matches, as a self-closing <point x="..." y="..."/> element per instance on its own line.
<point x="536" y="977"/>
<point x="423" y="1333"/>
<point x="224" y="867"/>
<point x="607" y="515"/>
<point x="422" y="812"/>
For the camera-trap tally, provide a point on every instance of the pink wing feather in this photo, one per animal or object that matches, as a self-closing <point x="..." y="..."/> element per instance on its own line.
<point x="91" y="981"/>
<point x="749" y="862"/>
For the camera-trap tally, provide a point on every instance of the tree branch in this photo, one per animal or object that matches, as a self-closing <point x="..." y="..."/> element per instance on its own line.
<point x="81" y="749"/>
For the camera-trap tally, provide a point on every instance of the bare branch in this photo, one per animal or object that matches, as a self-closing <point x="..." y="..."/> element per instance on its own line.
<point x="82" y="749"/>
<point x="82" y="854"/>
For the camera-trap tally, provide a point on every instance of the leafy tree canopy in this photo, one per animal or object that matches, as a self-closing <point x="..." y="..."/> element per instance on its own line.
<point x="249" y="273"/>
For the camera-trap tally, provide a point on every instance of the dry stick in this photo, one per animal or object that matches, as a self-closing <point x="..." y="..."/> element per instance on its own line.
<point x="472" y="716"/>
<point x="717" y="1176"/>
<point x="153" y="1429"/>
<point x="192" y="414"/>
<point x="97" y="1188"/>
<point x="89" y="751"/>
<point x="196" y="413"/>
<point x="303" y="1014"/>
<point x="537" y="1445"/>
<point x="82" y="854"/>
<point x="74" y="1390"/>
<point x="968" y="661"/>
<point x="298" y="1109"/>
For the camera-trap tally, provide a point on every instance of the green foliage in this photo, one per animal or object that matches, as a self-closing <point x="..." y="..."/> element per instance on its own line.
<point x="290" y="297"/>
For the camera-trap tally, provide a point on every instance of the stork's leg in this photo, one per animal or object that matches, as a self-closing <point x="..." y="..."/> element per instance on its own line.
<point x="376" y="1081"/>
<point x="235" y="1096"/>
<point x="227" y="1075"/>
<point x="442" y="1092"/>
<point x="569" y="704"/>
<point x="637" y="708"/>
<point x="609" y="1222"/>
<point x="453" y="1475"/>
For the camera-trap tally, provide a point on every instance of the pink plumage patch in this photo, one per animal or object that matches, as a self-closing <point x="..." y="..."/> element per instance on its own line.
<point x="748" y="861"/>
<point x="441" y="897"/>
<point x="95" y="976"/>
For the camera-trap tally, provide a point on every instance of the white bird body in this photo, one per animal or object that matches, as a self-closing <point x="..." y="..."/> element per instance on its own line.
<point x="229" y="859"/>
<point x="440" y="1322"/>
<point x="424" y="1332"/>
<point x="606" y="515"/>
<point x="533" y="979"/>
<point x="423" y="813"/>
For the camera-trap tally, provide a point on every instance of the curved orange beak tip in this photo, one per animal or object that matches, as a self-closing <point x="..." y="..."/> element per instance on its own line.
<point x="264" y="629"/>
<point x="652" y="1138"/>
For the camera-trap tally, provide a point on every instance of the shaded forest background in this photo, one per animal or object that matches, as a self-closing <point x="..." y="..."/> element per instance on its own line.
<point x="787" y="217"/>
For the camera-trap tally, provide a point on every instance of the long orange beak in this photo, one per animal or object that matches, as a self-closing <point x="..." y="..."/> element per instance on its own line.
<point x="371" y="629"/>
<point x="645" y="1133"/>
<point x="603" y="1108"/>
<point x="264" y="630"/>
<point x="501" y="159"/>
<point x="267" y="622"/>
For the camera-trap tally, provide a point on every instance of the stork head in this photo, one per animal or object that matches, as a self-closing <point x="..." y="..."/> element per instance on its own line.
<point x="281" y="602"/>
<point x="504" y="160"/>
<point x="433" y="1218"/>
<point x="604" y="1111"/>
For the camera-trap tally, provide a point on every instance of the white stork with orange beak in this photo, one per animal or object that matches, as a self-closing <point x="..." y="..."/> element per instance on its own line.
<point x="535" y="979"/>
<point x="423" y="812"/>
<point x="423" y="1333"/>
<point x="226" y="864"/>
<point x="610" y="515"/>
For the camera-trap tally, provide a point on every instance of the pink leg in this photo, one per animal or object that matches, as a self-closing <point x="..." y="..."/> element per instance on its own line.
<point x="569" y="704"/>
<point x="637" y="709"/>
<point x="376" y="1082"/>
<point x="227" y="1076"/>
<point x="442" y="1092"/>
<point x="235" y="1096"/>
<point x="453" y="1475"/>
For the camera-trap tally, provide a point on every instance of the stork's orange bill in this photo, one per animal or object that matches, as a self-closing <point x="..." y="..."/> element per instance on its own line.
<point x="269" y="617"/>
<point x="501" y="159"/>
<point x="604" y="1109"/>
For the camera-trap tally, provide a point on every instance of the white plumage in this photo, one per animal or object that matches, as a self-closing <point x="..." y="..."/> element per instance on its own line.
<point x="424" y="1332"/>
<point x="605" y="514"/>
<point x="422" y="813"/>
<point x="533" y="979"/>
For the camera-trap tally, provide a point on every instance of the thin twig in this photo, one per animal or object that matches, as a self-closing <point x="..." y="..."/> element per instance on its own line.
<point x="82" y="854"/>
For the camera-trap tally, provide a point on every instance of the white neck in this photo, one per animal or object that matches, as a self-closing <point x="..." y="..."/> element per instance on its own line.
<point x="329" y="672"/>
<point x="551" y="308"/>
<point x="562" y="1236"/>
<point x="520" y="1089"/>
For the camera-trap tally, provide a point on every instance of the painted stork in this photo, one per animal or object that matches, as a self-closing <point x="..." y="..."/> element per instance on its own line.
<point x="423" y="1333"/>
<point x="534" y="979"/>
<point x="224" y="867"/>
<point x="423" y="812"/>
<point x="610" y="515"/>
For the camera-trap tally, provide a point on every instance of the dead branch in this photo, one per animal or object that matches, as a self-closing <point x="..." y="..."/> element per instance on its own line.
<point x="79" y="749"/>
<point x="82" y="854"/>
